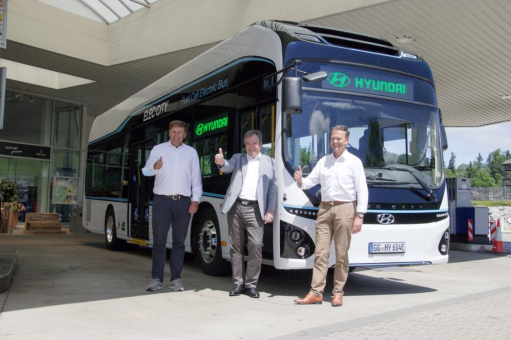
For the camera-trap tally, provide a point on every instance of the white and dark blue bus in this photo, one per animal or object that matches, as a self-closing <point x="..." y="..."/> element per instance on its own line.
<point x="385" y="96"/>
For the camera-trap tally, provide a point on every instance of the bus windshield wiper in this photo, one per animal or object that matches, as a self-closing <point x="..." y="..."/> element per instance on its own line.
<point x="430" y="194"/>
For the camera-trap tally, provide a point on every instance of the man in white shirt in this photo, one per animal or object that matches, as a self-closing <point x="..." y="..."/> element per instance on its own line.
<point x="344" y="196"/>
<point x="249" y="204"/>
<point x="177" y="191"/>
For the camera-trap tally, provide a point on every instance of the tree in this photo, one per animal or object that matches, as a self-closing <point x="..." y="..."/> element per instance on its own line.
<point x="461" y="171"/>
<point x="452" y="163"/>
<point x="494" y="165"/>
<point x="482" y="178"/>
<point x="470" y="170"/>
<point x="478" y="164"/>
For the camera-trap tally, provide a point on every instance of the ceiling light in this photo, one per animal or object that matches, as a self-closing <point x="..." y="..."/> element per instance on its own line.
<point x="405" y="39"/>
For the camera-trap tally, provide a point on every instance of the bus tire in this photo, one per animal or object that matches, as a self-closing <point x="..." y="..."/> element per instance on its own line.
<point x="207" y="245"/>
<point x="111" y="240"/>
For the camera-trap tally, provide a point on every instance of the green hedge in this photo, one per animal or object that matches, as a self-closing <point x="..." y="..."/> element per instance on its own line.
<point x="493" y="203"/>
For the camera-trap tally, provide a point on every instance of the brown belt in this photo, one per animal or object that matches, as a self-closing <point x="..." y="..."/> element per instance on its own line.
<point x="330" y="203"/>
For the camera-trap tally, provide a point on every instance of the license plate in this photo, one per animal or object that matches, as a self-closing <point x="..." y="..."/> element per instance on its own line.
<point x="386" y="247"/>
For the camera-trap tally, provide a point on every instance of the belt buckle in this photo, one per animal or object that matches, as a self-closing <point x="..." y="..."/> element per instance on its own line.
<point x="244" y="202"/>
<point x="175" y="197"/>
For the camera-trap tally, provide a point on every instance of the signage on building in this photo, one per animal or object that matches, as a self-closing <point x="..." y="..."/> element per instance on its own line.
<point x="24" y="150"/>
<point x="3" y="23"/>
<point x="65" y="190"/>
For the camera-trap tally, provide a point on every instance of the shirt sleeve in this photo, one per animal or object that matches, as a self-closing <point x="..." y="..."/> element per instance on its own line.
<point x="361" y="187"/>
<point x="313" y="178"/>
<point x="196" y="179"/>
<point x="149" y="170"/>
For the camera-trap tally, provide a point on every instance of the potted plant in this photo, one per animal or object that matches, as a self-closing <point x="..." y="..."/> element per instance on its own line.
<point x="9" y="193"/>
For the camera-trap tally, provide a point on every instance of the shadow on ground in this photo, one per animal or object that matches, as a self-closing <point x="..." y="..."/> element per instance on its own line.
<point x="56" y="270"/>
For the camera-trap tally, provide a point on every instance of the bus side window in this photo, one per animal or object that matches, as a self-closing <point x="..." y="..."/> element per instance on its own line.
<point x="207" y="148"/>
<point x="267" y="114"/>
<point x="247" y="123"/>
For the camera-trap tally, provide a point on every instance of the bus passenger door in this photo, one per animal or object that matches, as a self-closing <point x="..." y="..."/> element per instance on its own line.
<point x="141" y="192"/>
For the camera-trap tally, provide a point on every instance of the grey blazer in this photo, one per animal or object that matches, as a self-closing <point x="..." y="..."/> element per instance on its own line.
<point x="266" y="185"/>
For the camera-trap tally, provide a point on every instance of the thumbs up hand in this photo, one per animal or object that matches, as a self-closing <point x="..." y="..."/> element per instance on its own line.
<point x="298" y="176"/>
<point x="219" y="158"/>
<point x="159" y="164"/>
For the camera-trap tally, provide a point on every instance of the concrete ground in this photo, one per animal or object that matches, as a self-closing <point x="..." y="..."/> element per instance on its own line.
<point x="72" y="287"/>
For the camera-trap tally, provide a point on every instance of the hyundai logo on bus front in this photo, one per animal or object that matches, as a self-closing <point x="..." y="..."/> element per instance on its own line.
<point x="385" y="218"/>
<point x="338" y="79"/>
<point x="155" y="111"/>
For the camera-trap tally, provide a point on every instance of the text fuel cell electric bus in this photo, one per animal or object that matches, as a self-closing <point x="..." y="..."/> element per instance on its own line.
<point x="385" y="97"/>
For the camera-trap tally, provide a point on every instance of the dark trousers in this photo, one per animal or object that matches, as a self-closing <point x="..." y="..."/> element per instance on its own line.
<point x="240" y="219"/>
<point x="167" y="213"/>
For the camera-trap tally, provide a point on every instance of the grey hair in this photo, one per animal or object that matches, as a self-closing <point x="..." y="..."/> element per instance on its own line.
<point x="251" y="133"/>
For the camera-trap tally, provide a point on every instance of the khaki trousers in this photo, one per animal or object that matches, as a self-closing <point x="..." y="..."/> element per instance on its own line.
<point x="334" y="222"/>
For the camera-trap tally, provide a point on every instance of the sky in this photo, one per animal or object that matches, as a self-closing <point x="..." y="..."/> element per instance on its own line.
<point x="466" y="143"/>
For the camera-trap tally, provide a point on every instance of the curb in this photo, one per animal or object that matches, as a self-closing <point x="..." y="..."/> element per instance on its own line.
<point x="8" y="266"/>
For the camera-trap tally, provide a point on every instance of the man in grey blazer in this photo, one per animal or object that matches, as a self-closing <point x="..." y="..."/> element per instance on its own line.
<point x="249" y="204"/>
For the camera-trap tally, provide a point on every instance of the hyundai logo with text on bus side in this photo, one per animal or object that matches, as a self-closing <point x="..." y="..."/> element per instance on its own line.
<point x="338" y="79"/>
<point x="385" y="218"/>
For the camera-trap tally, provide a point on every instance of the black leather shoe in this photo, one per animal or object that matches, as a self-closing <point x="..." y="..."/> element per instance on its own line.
<point x="252" y="292"/>
<point x="237" y="290"/>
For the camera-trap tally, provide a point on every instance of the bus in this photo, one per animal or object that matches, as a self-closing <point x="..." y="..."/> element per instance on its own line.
<point x="293" y="82"/>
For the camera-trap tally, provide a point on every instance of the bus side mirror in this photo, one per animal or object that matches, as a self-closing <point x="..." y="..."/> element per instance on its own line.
<point x="443" y="134"/>
<point x="292" y="95"/>
<point x="292" y="91"/>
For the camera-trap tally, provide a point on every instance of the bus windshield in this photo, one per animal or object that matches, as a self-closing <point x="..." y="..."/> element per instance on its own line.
<point x="398" y="142"/>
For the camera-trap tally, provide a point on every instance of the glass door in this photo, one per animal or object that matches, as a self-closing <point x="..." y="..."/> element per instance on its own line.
<point x="141" y="191"/>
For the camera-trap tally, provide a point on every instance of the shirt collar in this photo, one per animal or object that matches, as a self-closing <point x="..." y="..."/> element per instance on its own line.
<point x="255" y="158"/>
<point x="172" y="145"/>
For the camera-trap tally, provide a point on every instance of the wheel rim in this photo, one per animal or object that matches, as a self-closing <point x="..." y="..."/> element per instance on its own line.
<point x="208" y="241"/>
<point x="110" y="229"/>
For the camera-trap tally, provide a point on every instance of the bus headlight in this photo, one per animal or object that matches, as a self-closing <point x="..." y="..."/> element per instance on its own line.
<point x="295" y="242"/>
<point x="296" y="235"/>
<point x="302" y="251"/>
<point x="443" y="245"/>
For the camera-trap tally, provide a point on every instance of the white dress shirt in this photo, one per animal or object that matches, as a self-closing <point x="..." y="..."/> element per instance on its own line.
<point x="342" y="179"/>
<point x="180" y="174"/>
<point x="249" y="189"/>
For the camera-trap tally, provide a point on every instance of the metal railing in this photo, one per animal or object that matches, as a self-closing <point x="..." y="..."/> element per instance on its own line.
<point x="490" y="193"/>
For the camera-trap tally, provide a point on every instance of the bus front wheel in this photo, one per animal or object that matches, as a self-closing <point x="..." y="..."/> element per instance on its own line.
<point x="111" y="240"/>
<point x="207" y="241"/>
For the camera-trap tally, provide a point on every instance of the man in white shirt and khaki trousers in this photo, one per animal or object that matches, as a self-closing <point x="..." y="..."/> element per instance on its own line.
<point x="344" y="196"/>
<point x="249" y="203"/>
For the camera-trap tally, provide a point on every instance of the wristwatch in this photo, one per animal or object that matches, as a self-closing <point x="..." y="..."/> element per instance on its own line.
<point x="361" y="215"/>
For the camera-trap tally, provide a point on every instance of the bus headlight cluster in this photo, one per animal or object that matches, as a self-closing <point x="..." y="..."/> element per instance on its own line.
<point x="443" y="245"/>
<point x="295" y="242"/>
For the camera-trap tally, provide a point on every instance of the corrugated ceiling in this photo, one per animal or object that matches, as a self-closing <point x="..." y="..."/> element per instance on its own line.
<point x="466" y="42"/>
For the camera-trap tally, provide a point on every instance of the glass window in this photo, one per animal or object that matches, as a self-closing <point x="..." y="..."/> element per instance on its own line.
<point x="65" y="163"/>
<point x="108" y="169"/>
<point x="267" y="114"/>
<point x="31" y="178"/>
<point x="27" y="119"/>
<point x="383" y="134"/>
<point x="67" y="123"/>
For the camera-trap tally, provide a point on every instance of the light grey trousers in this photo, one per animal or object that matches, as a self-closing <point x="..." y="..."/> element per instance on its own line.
<point x="247" y="219"/>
